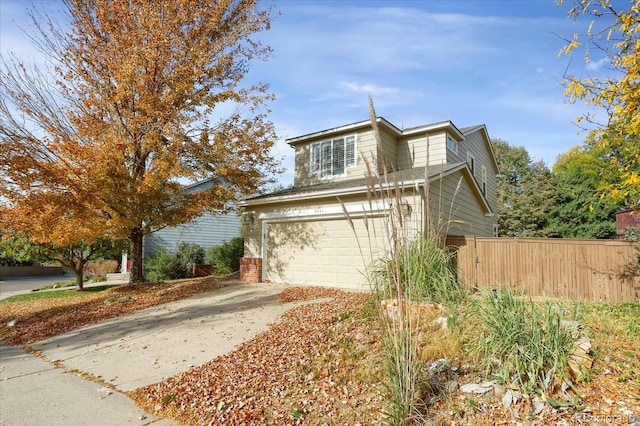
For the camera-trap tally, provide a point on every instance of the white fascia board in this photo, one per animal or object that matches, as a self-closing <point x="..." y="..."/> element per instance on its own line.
<point x="436" y="126"/>
<point x="326" y="193"/>
<point x="332" y="212"/>
<point x="345" y="128"/>
<point x="341" y="129"/>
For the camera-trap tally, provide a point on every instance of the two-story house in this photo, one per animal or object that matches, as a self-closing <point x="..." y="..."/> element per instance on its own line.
<point x="348" y="184"/>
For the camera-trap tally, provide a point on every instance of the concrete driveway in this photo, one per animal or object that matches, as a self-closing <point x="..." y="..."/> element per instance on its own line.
<point x="141" y="348"/>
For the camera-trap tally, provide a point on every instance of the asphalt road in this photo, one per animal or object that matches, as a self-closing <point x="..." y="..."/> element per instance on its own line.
<point x="16" y="284"/>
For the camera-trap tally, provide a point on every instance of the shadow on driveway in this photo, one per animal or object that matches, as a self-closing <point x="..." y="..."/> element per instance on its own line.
<point x="149" y="346"/>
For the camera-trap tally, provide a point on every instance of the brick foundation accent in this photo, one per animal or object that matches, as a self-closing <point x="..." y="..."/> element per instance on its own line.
<point x="251" y="269"/>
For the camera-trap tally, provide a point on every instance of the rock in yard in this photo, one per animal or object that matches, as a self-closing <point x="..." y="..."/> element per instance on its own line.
<point x="479" y="388"/>
<point x="579" y="358"/>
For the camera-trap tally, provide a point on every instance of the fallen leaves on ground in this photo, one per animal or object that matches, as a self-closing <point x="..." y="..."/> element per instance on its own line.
<point x="26" y="322"/>
<point x="314" y="366"/>
<point x="321" y="363"/>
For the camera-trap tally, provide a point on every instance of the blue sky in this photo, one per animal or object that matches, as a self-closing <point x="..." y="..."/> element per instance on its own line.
<point x="471" y="62"/>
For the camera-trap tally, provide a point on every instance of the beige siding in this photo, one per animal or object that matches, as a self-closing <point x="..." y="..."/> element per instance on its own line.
<point x="476" y="144"/>
<point x="458" y="207"/>
<point x="301" y="175"/>
<point x="437" y="149"/>
<point x="412" y="150"/>
<point x="366" y="146"/>
<point x="389" y="150"/>
<point x="252" y="239"/>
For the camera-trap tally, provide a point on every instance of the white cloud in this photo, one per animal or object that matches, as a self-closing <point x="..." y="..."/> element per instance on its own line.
<point x="470" y="62"/>
<point x="369" y="89"/>
<point x="597" y="65"/>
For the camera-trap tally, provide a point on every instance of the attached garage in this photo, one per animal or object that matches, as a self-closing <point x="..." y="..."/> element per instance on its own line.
<point x="328" y="234"/>
<point x="321" y="251"/>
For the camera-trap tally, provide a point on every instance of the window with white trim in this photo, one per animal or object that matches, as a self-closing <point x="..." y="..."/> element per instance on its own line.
<point x="471" y="162"/>
<point x="484" y="180"/>
<point x="495" y="229"/>
<point x="452" y="144"/>
<point x="333" y="157"/>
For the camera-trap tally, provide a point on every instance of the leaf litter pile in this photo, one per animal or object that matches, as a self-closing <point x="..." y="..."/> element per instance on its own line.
<point x="322" y="363"/>
<point x="313" y="366"/>
<point x="26" y="322"/>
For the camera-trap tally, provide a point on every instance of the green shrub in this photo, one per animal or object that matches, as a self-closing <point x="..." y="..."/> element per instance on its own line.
<point x="190" y="253"/>
<point x="163" y="266"/>
<point x="225" y="258"/>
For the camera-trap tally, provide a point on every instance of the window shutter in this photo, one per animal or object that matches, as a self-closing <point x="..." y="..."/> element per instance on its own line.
<point x="325" y="165"/>
<point x="315" y="158"/>
<point x="338" y="156"/>
<point x="350" y="157"/>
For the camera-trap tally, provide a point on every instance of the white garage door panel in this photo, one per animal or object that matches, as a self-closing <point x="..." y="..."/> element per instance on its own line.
<point x="322" y="252"/>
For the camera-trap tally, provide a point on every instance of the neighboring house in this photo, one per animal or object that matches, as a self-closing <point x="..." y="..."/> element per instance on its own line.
<point x="627" y="219"/>
<point x="303" y="236"/>
<point x="207" y="230"/>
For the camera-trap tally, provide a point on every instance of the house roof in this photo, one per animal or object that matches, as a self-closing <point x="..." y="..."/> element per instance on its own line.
<point x="405" y="178"/>
<point x="448" y="125"/>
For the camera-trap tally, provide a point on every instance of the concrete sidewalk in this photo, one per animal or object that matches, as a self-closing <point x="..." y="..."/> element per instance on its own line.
<point x="129" y="352"/>
<point x="34" y="392"/>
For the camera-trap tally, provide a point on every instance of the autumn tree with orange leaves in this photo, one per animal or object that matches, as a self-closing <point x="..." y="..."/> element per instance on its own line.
<point x="139" y="98"/>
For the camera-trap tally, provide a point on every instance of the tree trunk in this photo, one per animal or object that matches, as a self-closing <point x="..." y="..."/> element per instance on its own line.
<point x="77" y="267"/>
<point x="79" y="278"/>
<point x="136" y="272"/>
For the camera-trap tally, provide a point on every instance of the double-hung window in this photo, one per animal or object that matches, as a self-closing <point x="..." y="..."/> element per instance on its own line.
<point x="452" y="144"/>
<point x="471" y="162"/>
<point x="333" y="157"/>
<point x="484" y="180"/>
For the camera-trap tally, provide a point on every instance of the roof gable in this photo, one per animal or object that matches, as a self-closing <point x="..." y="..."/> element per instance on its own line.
<point x="382" y="122"/>
<point x="482" y="129"/>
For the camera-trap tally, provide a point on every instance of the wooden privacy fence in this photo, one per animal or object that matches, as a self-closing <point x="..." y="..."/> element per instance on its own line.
<point x="591" y="270"/>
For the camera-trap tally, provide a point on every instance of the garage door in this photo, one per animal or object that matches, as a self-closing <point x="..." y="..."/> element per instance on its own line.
<point x="322" y="252"/>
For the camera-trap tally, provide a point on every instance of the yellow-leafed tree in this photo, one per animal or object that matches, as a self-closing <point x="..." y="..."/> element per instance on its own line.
<point x="613" y="36"/>
<point x="139" y="97"/>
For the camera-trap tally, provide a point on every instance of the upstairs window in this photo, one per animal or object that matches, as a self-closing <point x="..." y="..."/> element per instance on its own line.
<point x="484" y="180"/>
<point x="452" y="144"/>
<point x="333" y="157"/>
<point x="471" y="162"/>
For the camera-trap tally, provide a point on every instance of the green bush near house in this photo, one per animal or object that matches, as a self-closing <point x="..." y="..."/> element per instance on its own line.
<point x="225" y="258"/>
<point x="190" y="253"/>
<point x="164" y="266"/>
